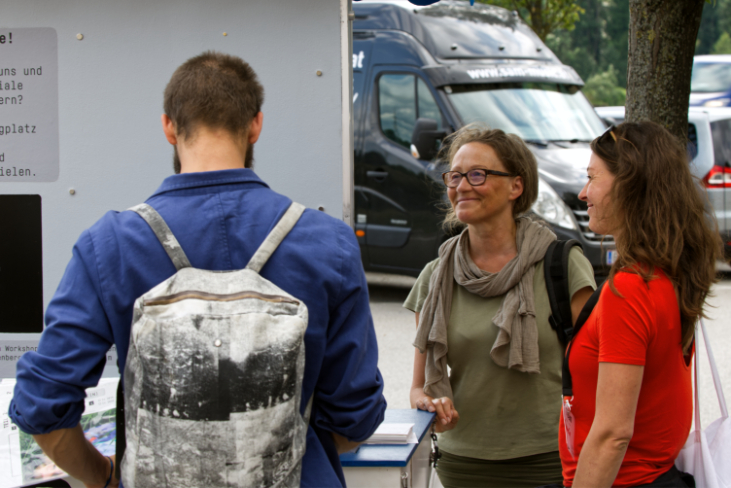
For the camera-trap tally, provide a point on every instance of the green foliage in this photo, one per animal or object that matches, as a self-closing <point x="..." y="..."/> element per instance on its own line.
<point x="544" y="16"/>
<point x="615" y="47"/>
<point x="577" y="57"/>
<point x="708" y="31"/>
<point x="723" y="45"/>
<point x="601" y="89"/>
<point x="598" y="41"/>
<point x="715" y="22"/>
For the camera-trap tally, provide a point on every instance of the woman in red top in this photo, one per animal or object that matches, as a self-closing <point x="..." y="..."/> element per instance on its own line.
<point x="631" y="409"/>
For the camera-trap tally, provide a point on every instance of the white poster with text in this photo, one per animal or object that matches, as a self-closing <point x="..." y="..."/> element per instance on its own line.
<point x="28" y="104"/>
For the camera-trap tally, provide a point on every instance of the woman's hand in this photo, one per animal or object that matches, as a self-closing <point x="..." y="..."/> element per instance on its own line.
<point x="447" y="415"/>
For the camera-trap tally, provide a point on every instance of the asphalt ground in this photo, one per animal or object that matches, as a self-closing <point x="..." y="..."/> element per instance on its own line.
<point x="395" y="329"/>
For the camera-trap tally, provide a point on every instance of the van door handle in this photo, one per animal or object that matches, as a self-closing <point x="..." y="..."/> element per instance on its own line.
<point x="377" y="175"/>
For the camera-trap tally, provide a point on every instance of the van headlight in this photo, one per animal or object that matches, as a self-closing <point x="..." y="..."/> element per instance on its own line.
<point x="551" y="208"/>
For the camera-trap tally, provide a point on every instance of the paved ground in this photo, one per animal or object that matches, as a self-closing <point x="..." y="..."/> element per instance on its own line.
<point x="395" y="328"/>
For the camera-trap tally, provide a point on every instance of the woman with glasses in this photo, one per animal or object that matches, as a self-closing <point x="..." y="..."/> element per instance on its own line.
<point x="487" y="361"/>
<point x="629" y="411"/>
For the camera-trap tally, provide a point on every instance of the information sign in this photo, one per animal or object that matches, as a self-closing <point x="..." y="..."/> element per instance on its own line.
<point x="28" y="105"/>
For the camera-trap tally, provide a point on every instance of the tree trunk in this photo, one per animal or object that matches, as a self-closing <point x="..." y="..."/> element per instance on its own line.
<point x="535" y="9"/>
<point x="662" y="36"/>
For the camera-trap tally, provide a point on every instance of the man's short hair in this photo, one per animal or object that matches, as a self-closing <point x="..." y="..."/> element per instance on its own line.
<point x="213" y="90"/>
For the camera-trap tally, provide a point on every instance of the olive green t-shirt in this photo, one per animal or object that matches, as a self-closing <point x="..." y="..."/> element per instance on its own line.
<point x="503" y="413"/>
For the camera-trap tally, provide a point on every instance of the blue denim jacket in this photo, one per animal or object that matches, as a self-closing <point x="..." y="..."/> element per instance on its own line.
<point x="219" y="218"/>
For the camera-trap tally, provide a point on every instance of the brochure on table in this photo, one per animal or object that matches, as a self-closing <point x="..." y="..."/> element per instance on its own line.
<point x="21" y="460"/>
<point x="393" y="433"/>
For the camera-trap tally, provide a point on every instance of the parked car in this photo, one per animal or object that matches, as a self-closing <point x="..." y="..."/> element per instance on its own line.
<point x="422" y="73"/>
<point x="709" y="148"/>
<point x="710" y="84"/>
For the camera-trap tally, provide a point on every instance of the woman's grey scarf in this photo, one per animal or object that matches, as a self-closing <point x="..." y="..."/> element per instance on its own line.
<point x="516" y="346"/>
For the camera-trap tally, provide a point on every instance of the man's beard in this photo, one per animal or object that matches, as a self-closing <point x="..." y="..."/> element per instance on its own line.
<point x="248" y="161"/>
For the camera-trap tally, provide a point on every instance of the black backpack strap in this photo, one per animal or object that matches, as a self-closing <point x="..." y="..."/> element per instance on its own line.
<point x="556" y="273"/>
<point x="567" y="382"/>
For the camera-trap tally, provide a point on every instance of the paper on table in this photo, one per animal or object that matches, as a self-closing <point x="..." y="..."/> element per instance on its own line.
<point x="387" y="433"/>
<point x="23" y="460"/>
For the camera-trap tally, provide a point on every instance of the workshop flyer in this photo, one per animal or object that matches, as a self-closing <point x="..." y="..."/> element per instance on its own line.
<point x="22" y="458"/>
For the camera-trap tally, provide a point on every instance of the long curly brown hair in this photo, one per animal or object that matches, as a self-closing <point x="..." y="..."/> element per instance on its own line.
<point x="663" y="220"/>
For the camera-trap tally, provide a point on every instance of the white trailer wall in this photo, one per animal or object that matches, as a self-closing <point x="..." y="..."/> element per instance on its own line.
<point x="114" y="59"/>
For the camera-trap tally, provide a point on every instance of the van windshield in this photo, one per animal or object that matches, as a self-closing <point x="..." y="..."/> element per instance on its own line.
<point x="710" y="77"/>
<point x="534" y="111"/>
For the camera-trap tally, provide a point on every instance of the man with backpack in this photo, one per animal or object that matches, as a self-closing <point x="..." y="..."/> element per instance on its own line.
<point x="247" y="318"/>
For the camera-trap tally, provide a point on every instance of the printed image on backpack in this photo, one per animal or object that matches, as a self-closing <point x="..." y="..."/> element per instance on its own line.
<point x="214" y="378"/>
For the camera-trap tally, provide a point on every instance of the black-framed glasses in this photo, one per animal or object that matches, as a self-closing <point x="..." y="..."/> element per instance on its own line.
<point x="475" y="177"/>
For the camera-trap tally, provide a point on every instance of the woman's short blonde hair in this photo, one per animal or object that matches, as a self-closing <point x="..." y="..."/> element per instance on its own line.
<point x="513" y="154"/>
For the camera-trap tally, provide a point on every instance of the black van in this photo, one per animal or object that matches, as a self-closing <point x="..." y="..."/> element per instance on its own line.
<point x="420" y="74"/>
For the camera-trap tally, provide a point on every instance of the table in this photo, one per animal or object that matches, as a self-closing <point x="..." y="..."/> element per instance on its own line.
<point x="393" y="465"/>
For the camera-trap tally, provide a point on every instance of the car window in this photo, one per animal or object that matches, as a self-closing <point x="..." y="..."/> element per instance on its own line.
<point x="692" y="141"/>
<point x="721" y="133"/>
<point x="710" y="77"/>
<point x="403" y="98"/>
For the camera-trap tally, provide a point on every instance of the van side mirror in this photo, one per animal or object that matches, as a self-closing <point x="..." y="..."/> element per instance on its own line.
<point x="424" y="139"/>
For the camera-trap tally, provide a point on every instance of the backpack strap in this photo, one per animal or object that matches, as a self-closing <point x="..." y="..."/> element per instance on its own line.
<point x="556" y="274"/>
<point x="275" y="237"/>
<point x="164" y="235"/>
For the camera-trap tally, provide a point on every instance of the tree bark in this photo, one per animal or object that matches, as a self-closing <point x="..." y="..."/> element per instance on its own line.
<point x="662" y="36"/>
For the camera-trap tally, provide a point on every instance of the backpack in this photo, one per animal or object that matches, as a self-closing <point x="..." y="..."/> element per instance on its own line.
<point x="556" y="274"/>
<point x="213" y="381"/>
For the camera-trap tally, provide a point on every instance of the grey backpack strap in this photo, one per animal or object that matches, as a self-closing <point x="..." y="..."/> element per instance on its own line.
<point x="275" y="237"/>
<point x="164" y="235"/>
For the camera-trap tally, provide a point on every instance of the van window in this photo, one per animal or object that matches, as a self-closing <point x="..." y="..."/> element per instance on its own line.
<point x="428" y="108"/>
<point x="534" y="111"/>
<point x="721" y="133"/>
<point x="403" y="98"/>
<point x="397" y="103"/>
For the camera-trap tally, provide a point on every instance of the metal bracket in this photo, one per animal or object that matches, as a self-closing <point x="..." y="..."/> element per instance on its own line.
<point x="404" y="480"/>
<point x="434" y="455"/>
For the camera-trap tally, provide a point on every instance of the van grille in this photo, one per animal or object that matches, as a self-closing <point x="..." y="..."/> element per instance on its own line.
<point x="582" y="217"/>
